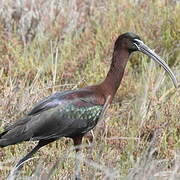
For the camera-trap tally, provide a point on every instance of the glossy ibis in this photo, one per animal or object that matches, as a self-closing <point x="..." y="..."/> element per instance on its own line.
<point x="73" y="113"/>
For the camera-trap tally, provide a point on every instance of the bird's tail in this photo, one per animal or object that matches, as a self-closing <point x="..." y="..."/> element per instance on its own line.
<point x="15" y="133"/>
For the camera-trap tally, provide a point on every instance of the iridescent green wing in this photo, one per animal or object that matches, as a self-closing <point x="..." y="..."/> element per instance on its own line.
<point x="75" y="114"/>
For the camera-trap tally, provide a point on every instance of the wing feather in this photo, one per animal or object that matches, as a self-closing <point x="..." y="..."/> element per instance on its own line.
<point x="60" y="98"/>
<point x="67" y="113"/>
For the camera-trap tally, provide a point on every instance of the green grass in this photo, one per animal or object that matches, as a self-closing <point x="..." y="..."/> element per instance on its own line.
<point x="145" y="104"/>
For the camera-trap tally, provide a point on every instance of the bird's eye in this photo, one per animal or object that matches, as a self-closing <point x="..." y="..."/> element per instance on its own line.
<point x="137" y="41"/>
<point x="136" y="45"/>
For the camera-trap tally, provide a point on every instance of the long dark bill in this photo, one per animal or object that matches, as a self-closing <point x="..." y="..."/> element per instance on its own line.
<point x="146" y="50"/>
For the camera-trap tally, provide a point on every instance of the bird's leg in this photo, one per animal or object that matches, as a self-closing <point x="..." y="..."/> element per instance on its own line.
<point x="19" y="165"/>
<point x="77" y="143"/>
<point x="90" y="138"/>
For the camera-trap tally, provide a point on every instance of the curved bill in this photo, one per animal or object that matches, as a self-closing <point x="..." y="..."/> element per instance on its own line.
<point x="146" y="50"/>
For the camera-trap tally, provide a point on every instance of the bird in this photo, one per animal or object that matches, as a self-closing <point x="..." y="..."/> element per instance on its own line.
<point x="73" y="113"/>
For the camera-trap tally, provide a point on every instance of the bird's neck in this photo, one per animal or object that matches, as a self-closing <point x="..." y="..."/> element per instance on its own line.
<point x="116" y="72"/>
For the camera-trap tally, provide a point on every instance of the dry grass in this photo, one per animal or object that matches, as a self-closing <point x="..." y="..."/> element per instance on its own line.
<point x="47" y="47"/>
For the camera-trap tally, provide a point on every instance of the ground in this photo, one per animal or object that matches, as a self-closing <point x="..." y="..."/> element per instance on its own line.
<point x="69" y="46"/>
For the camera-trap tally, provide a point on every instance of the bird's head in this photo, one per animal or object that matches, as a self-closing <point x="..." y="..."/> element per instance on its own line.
<point x="126" y="41"/>
<point x="131" y="42"/>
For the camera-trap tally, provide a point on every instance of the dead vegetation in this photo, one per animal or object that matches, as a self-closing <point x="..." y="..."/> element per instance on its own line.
<point x="47" y="46"/>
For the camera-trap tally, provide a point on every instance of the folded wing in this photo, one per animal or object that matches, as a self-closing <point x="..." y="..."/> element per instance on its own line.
<point x="68" y="113"/>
